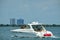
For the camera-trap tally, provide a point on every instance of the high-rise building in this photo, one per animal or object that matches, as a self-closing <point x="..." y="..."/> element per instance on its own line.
<point x="20" y="21"/>
<point x="12" y="21"/>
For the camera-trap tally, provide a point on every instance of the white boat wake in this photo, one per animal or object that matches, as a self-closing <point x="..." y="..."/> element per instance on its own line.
<point x="55" y="37"/>
<point x="33" y="36"/>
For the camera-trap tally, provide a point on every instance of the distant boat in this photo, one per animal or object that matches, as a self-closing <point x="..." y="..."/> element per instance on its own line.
<point x="34" y="28"/>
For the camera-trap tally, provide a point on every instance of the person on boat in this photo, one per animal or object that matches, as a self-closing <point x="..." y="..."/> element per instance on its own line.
<point x="40" y="29"/>
<point x="23" y="27"/>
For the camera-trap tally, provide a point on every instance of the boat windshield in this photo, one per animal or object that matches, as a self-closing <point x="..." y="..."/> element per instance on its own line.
<point x="25" y="27"/>
<point x="37" y="27"/>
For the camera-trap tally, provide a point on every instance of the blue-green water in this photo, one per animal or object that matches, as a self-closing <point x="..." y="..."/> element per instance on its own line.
<point x="5" y="34"/>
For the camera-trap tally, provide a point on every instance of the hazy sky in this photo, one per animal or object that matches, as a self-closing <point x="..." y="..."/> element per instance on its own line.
<point x="44" y="11"/>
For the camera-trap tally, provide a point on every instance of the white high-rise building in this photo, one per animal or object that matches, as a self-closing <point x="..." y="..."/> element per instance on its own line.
<point x="12" y="21"/>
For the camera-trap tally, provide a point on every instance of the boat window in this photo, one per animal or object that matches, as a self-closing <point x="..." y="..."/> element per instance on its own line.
<point x="37" y="27"/>
<point x="25" y="27"/>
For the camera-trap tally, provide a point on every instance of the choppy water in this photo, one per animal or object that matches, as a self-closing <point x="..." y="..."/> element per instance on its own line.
<point x="5" y="34"/>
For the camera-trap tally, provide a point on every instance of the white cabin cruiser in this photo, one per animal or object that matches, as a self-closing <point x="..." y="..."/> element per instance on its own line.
<point x="34" y="28"/>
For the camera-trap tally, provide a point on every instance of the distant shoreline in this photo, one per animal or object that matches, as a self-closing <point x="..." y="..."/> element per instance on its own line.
<point x="14" y="25"/>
